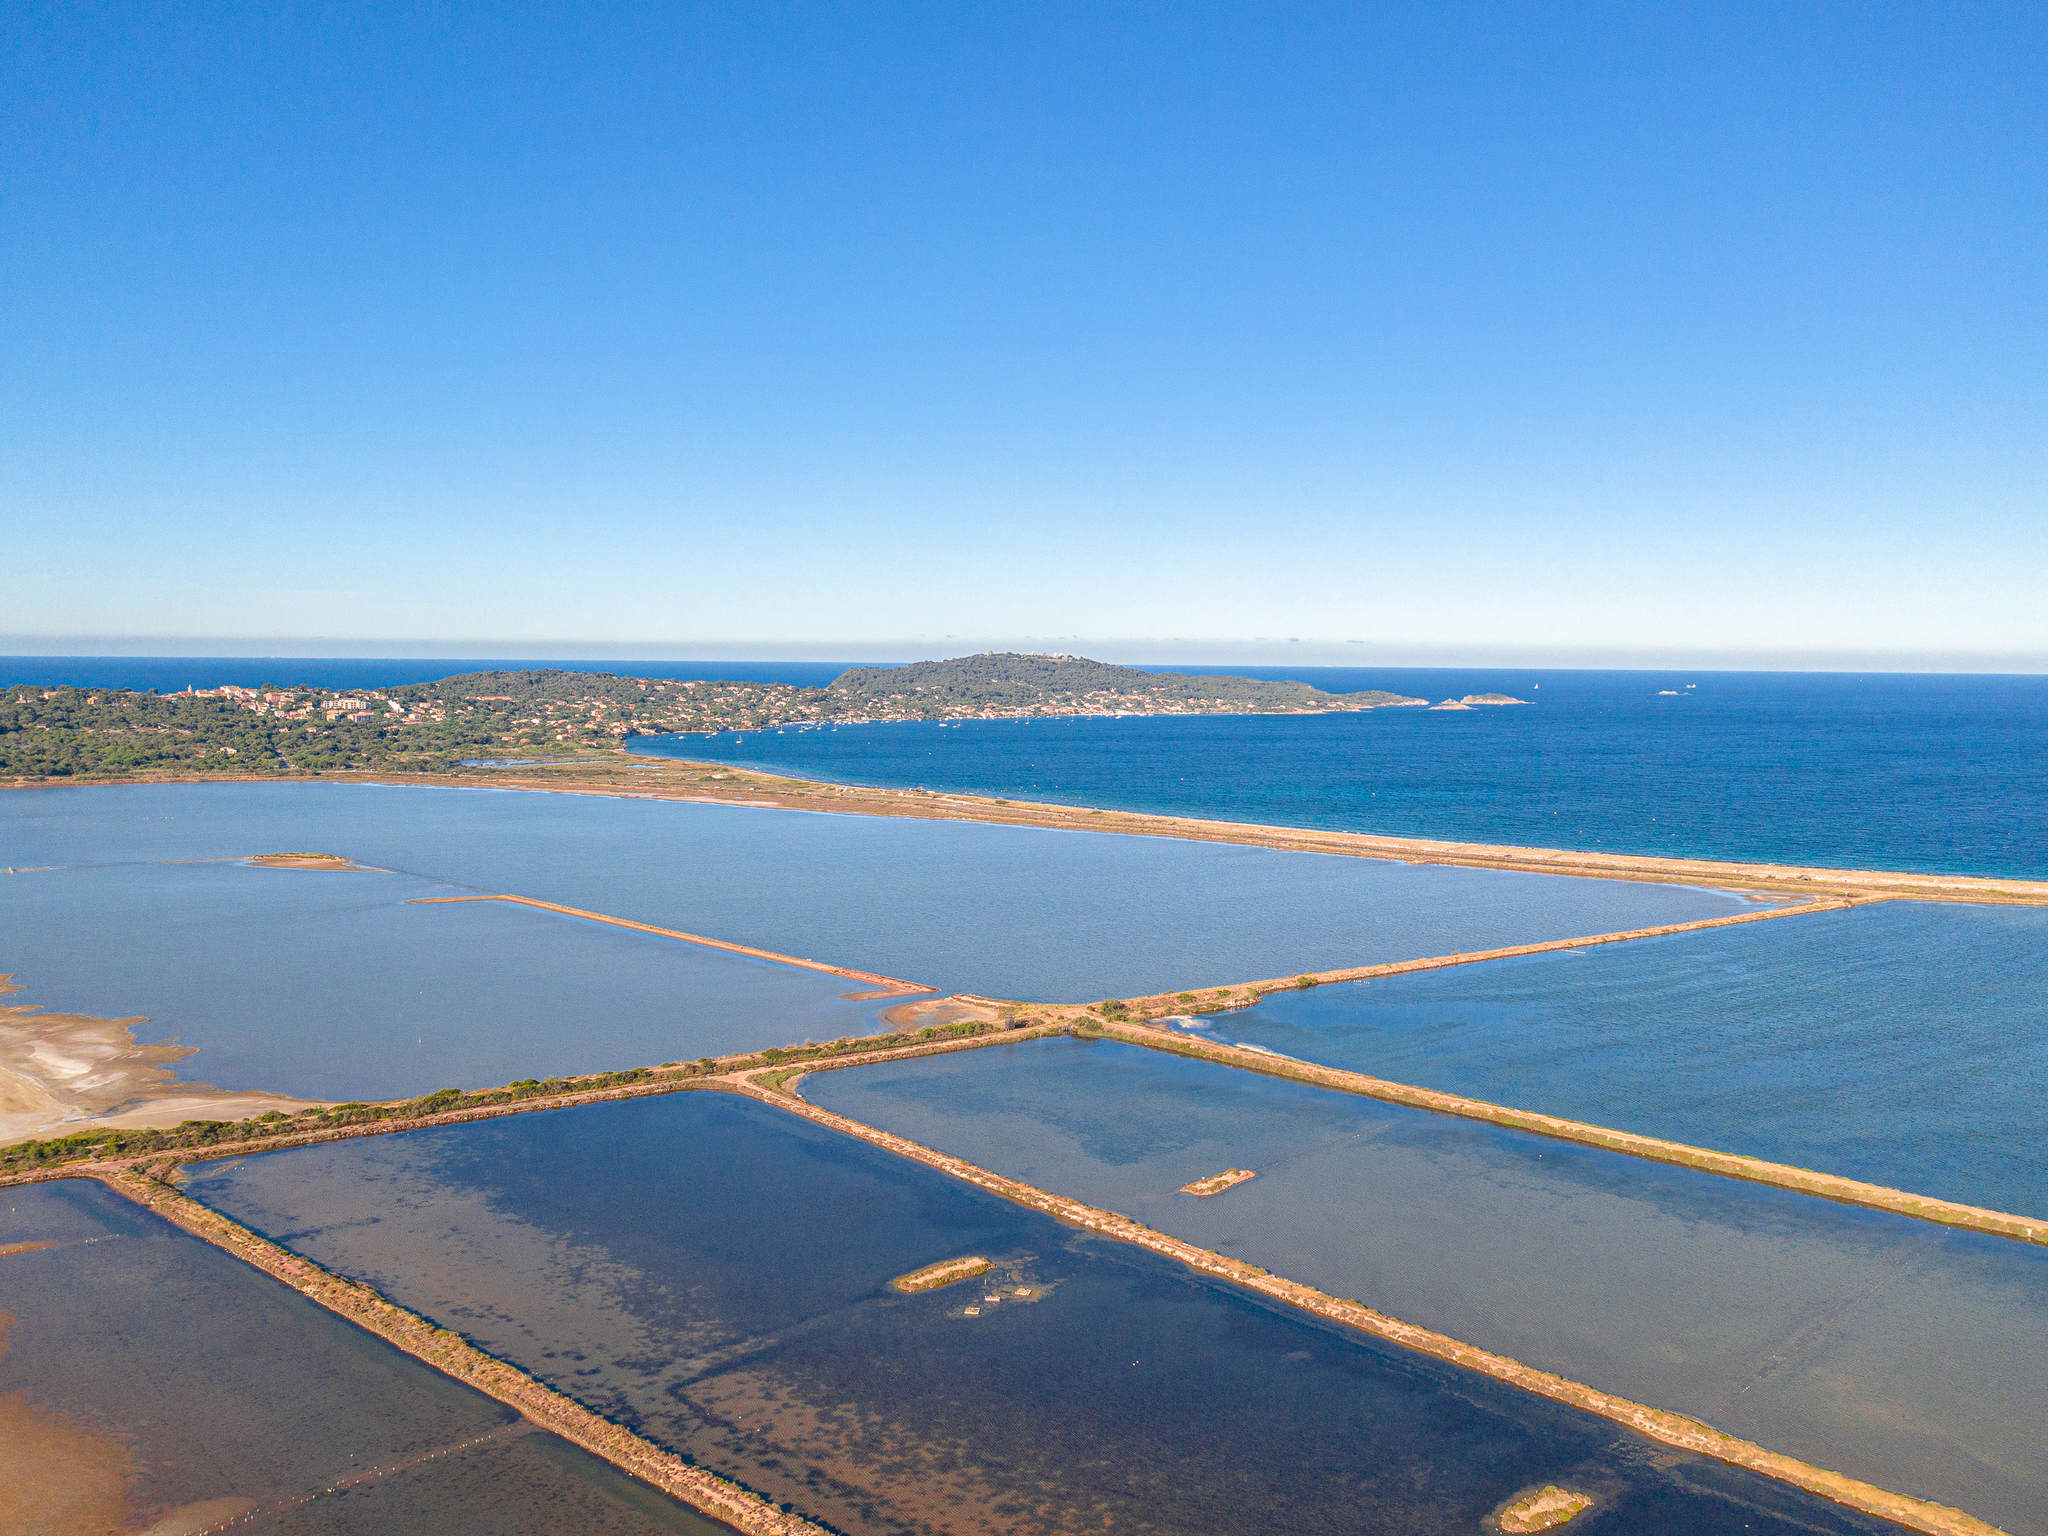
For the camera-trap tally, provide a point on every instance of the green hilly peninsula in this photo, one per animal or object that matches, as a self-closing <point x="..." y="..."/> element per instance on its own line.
<point x="1005" y="683"/>
<point x="286" y="729"/>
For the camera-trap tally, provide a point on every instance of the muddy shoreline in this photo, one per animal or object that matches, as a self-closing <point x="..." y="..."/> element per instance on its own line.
<point x="65" y="1072"/>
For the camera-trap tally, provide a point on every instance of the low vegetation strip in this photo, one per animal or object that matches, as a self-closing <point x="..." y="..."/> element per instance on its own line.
<point x="936" y="1276"/>
<point x="886" y="986"/>
<point x="1673" y="1429"/>
<point x="777" y="1070"/>
<point x="201" y="1140"/>
<point x="454" y="1356"/>
<point x="1732" y="1165"/>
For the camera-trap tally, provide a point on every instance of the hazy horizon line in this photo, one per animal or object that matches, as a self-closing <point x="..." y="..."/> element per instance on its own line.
<point x="1156" y="651"/>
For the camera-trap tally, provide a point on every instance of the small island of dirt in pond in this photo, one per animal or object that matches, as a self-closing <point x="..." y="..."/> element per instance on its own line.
<point x="1216" y="1183"/>
<point x="303" y="860"/>
<point x="933" y="1276"/>
<point x="1543" y="1509"/>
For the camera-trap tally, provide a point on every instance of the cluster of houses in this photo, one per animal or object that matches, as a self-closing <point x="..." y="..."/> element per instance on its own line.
<point x="294" y="704"/>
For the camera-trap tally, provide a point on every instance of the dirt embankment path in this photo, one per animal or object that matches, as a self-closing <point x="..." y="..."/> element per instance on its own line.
<point x="450" y="1354"/>
<point x="1243" y="994"/>
<point x="884" y="986"/>
<point x="1657" y="1424"/>
<point x="1729" y="1165"/>
<point x="629" y="776"/>
<point x="541" y="1405"/>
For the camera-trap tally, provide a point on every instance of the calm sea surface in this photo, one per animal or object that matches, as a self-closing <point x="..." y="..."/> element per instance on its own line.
<point x="147" y="1377"/>
<point x="1001" y="911"/>
<point x="716" y="1274"/>
<point x="1894" y="1350"/>
<point x="336" y="986"/>
<point x="1904" y="1044"/>
<point x="174" y="674"/>
<point x="1901" y="772"/>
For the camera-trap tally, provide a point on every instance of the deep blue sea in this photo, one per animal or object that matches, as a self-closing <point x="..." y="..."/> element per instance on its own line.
<point x="1905" y="771"/>
<point x="1921" y="772"/>
<point x="174" y="674"/>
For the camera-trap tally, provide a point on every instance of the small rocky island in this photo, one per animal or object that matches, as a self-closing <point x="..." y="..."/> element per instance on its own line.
<point x="1478" y="701"/>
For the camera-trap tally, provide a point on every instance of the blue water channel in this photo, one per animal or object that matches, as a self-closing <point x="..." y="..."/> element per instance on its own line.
<point x="151" y="1382"/>
<point x="1001" y="911"/>
<point x="1890" y="1349"/>
<point x="716" y="1274"/>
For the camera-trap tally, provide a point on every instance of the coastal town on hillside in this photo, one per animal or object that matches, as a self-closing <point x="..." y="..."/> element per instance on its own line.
<point x="280" y="729"/>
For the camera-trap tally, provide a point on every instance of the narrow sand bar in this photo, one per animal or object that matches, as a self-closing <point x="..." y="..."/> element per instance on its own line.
<point x="885" y="986"/>
<point x="632" y="777"/>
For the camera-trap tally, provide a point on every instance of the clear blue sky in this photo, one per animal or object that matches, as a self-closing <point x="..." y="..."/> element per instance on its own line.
<point x="1496" y="331"/>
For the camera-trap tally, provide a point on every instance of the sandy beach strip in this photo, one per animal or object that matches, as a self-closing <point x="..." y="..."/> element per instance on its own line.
<point x="667" y="780"/>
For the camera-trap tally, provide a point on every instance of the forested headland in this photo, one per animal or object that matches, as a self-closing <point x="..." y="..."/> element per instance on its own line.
<point x="289" y="730"/>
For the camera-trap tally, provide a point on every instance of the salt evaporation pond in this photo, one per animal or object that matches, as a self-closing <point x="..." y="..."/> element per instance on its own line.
<point x="1002" y="911"/>
<point x="364" y="985"/>
<point x="1903" y="1044"/>
<point x="148" y="1382"/>
<point x="716" y="1273"/>
<point x="1893" y="1350"/>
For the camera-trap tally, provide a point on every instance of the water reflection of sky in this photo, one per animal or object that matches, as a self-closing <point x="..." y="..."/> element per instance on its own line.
<point x="336" y="986"/>
<point x="1903" y="1044"/>
<point x="716" y="1274"/>
<point x="1891" y="1349"/>
<point x="1000" y="911"/>
<point x="169" y="1377"/>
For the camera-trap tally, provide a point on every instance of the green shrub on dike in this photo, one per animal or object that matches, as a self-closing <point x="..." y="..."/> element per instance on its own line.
<point x="102" y="1145"/>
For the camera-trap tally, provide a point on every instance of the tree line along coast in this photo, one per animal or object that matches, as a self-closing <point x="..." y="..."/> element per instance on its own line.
<point x="288" y="730"/>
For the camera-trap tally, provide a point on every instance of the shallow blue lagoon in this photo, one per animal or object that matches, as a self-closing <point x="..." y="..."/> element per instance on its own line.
<point x="153" y="1379"/>
<point x="344" y="986"/>
<point x="1904" y="1044"/>
<point x="716" y="1273"/>
<point x="1000" y="911"/>
<point x="1893" y="1350"/>
<point x="1887" y="771"/>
